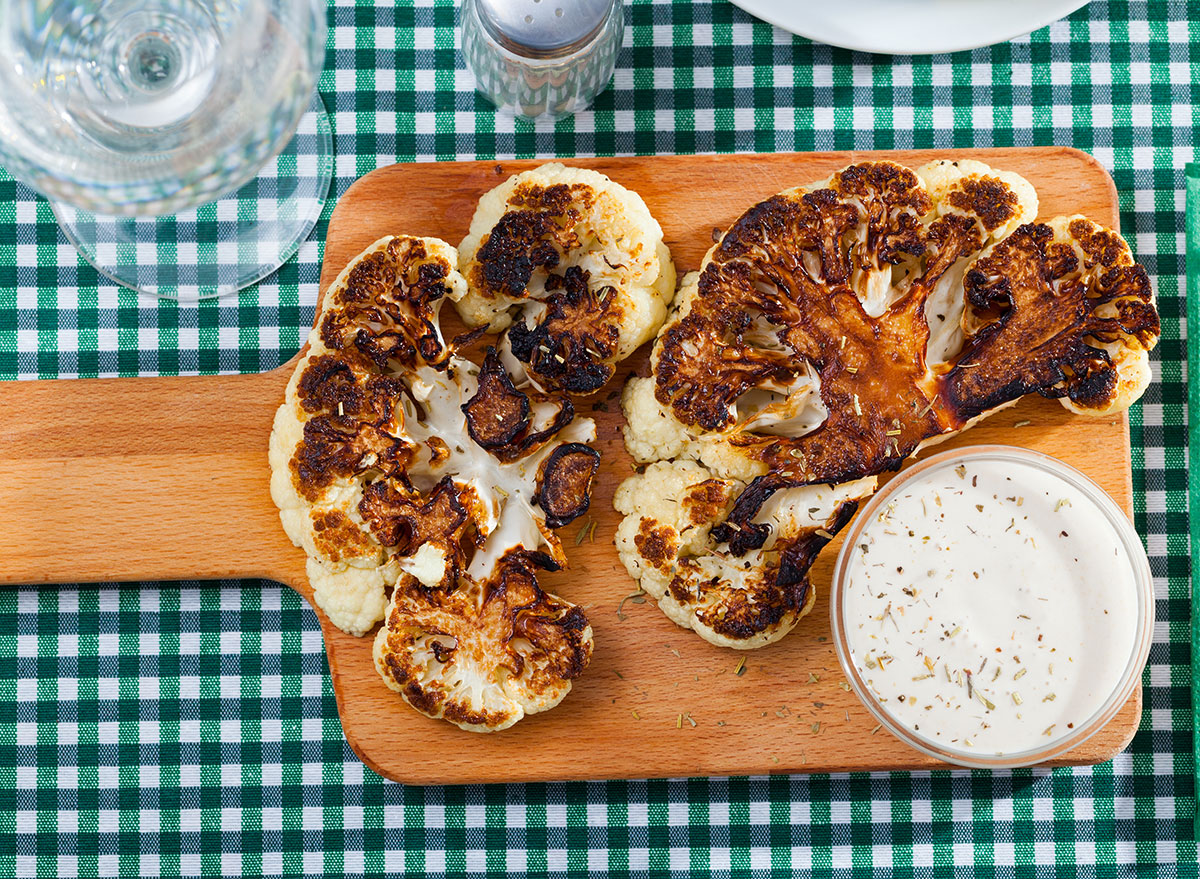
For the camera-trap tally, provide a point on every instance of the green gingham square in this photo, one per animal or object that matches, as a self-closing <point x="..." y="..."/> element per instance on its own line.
<point x="190" y="729"/>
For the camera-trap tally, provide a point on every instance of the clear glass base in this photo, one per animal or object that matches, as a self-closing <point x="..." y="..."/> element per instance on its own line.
<point x="221" y="247"/>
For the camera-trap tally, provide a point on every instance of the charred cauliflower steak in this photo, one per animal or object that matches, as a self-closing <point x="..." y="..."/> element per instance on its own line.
<point x="484" y="655"/>
<point x="398" y="464"/>
<point x="833" y="330"/>
<point x="573" y="267"/>
<point x="752" y="589"/>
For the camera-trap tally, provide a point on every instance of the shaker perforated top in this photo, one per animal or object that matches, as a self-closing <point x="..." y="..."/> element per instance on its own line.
<point x="543" y="28"/>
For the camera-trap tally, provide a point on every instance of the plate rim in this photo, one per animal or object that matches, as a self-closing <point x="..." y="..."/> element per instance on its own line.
<point x="789" y="16"/>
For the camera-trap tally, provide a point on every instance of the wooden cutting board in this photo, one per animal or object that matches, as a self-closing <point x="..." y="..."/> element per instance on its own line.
<point x="166" y="478"/>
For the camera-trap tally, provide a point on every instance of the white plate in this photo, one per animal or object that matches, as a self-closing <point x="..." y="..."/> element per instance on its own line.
<point x="910" y="27"/>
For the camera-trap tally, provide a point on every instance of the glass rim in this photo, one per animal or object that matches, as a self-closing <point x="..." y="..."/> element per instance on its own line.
<point x="1144" y="631"/>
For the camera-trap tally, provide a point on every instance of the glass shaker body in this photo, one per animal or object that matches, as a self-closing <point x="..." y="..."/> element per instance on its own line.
<point x="542" y="58"/>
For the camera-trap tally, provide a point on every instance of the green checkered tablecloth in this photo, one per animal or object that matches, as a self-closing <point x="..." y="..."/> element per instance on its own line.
<point x="187" y="728"/>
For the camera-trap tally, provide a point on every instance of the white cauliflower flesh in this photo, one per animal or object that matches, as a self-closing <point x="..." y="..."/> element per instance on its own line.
<point x="398" y="463"/>
<point x="485" y="655"/>
<point x="574" y="267"/>
<point x="736" y="585"/>
<point x="838" y="327"/>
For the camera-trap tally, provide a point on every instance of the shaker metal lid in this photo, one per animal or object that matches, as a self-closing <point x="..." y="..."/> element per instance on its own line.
<point x="543" y="28"/>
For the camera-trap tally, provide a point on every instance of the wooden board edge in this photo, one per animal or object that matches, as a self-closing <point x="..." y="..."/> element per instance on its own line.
<point x="487" y="774"/>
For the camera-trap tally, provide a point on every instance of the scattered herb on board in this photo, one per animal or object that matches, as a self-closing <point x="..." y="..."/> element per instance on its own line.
<point x="638" y="597"/>
<point x="636" y="716"/>
<point x="878" y="727"/>
<point x="1023" y="424"/>
<point x="812" y="678"/>
<point x="741" y="667"/>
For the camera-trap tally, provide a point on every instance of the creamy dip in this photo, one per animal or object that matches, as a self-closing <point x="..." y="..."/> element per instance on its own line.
<point x="990" y="606"/>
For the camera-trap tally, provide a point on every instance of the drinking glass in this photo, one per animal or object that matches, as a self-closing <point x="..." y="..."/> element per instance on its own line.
<point x="145" y="123"/>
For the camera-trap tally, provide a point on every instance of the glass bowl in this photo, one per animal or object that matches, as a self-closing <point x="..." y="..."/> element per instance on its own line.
<point x="1133" y="552"/>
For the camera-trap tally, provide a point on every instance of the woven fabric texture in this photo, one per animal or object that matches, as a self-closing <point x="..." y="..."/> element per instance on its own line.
<point x="191" y="729"/>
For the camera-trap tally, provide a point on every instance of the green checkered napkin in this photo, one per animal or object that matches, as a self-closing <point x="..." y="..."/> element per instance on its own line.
<point x="1192" y="225"/>
<point x="190" y="729"/>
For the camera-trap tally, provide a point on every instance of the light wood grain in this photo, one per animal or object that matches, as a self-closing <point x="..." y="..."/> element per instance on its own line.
<point x="149" y="479"/>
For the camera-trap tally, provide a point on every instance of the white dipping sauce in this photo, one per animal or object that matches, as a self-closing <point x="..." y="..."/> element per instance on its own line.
<point x="990" y="606"/>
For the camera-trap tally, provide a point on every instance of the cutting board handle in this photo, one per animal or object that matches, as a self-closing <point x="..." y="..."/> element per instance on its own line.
<point x="140" y="479"/>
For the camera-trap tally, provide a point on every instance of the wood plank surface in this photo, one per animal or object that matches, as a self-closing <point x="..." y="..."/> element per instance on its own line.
<point x="166" y="478"/>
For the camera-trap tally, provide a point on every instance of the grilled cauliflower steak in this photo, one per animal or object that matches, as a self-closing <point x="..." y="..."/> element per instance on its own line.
<point x="573" y="267"/>
<point x="398" y="463"/>
<point x="484" y="655"/>
<point x="835" y="328"/>
<point x="736" y="573"/>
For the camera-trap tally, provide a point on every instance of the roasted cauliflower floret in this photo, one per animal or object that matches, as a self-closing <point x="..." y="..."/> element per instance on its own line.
<point x="735" y="572"/>
<point x="651" y="432"/>
<point x="483" y="655"/>
<point x="574" y="267"/>
<point x="836" y="328"/>
<point x="999" y="201"/>
<point x="1059" y="308"/>
<point x="398" y="463"/>
<point x="352" y="595"/>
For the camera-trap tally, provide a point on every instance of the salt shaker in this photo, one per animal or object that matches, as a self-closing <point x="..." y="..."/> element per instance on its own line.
<point x="541" y="57"/>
